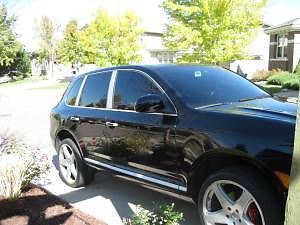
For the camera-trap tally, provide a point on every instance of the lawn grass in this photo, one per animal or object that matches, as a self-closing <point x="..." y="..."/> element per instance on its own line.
<point x="20" y="81"/>
<point x="55" y="86"/>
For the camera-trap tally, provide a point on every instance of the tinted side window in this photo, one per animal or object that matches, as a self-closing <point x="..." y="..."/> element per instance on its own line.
<point x="72" y="94"/>
<point x="94" y="93"/>
<point x="132" y="85"/>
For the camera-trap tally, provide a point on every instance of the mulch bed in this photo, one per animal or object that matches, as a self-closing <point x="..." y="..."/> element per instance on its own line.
<point x="39" y="207"/>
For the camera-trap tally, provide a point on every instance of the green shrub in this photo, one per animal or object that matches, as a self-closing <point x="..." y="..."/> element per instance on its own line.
<point x="297" y="70"/>
<point x="161" y="215"/>
<point x="286" y="80"/>
<point x="23" y="63"/>
<point x="262" y="75"/>
<point x="279" y="78"/>
<point x="20" y="67"/>
<point x="292" y="83"/>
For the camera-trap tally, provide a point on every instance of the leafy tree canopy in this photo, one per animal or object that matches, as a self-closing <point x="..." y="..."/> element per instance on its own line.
<point x="70" y="50"/>
<point x="9" y="45"/>
<point x="212" y="31"/>
<point x="109" y="40"/>
<point x="47" y="41"/>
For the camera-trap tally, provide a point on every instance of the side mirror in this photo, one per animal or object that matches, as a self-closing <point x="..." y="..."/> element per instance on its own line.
<point x="149" y="103"/>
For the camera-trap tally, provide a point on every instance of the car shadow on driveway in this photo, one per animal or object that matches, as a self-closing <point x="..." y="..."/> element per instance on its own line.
<point x="122" y="193"/>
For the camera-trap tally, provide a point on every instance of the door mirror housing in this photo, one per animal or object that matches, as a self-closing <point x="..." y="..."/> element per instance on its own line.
<point x="149" y="104"/>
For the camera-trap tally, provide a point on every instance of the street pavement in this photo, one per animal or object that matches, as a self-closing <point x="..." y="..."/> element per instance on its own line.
<point x="25" y="113"/>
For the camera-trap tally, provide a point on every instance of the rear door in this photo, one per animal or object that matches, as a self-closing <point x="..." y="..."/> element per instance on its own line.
<point x="88" y="116"/>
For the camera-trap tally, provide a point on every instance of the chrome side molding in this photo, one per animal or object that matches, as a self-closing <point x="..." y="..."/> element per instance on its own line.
<point x="138" y="175"/>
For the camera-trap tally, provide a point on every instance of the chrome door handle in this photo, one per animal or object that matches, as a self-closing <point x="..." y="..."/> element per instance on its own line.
<point x="74" y="118"/>
<point x="110" y="124"/>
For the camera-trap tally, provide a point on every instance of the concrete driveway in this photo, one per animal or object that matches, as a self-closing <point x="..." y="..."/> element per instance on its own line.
<point x="25" y="112"/>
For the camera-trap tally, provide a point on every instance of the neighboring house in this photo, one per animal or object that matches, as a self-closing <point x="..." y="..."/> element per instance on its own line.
<point x="284" y="45"/>
<point x="258" y="52"/>
<point x="153" y="49"/>
<point x="155" y="52"/>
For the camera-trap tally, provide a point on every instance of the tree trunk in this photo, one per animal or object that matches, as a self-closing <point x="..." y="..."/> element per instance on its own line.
<point x="292" y="212"/>
<point x="44" y="69"/>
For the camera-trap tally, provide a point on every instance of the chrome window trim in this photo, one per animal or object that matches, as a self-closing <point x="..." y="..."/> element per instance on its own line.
<point x="110" y="98"/>
<point x="156" y="84"/>
<point x="80" y="90"/>
<point x="132" y="111"/>
<point x="122" y="110"/>
<point x="138" y="175"/>
<point x="110" y="92"/>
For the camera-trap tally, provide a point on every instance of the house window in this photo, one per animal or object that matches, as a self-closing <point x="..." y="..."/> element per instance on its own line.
<point x="282" y="42"/>
<point x="163" y="56"/>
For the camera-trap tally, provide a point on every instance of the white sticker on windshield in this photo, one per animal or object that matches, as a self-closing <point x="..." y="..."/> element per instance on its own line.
<point x="198" y="74"/>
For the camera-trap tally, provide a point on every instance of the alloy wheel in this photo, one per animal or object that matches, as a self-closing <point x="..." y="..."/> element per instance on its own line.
<point x="228" y="203"/>
<point x="67" y="164"/>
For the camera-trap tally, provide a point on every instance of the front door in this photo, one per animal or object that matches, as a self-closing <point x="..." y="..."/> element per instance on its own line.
<point x="142" y="141"/>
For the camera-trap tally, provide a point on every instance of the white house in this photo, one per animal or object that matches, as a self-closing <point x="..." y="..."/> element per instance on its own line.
<point x="153" y="49"/>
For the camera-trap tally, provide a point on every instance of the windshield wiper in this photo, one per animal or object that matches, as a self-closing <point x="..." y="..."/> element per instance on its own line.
<point x="211" y="105"/>
<point x="252" y="98"/>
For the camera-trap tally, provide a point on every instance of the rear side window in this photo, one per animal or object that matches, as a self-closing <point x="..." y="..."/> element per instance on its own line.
<point x="72" y="94"/>
<point x="94" y="93"/>
<point x="130" y="86"/>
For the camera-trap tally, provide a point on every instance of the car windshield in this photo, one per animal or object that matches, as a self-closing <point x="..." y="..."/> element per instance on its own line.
<point x="201" y="86"/>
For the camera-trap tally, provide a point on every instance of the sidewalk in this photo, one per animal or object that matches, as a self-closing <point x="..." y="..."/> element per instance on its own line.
<point x="4" y="79"/>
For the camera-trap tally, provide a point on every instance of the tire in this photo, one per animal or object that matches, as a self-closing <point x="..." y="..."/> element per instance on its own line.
<point x="243" y="196"/>
<point x="72" y="170"/>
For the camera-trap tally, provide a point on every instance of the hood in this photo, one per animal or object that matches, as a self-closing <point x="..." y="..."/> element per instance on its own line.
<point x="269" y="107"/>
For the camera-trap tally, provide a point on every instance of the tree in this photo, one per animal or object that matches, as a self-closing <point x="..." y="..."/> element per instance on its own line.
<point x="9" y="45"/>
<point x="292" y="216"/>
<point x="69" y="49"/>
<point x="46" y="34"/>
<point x="109" y="40"/>
<point x="14" y="61"/>
<point x="21" y="65"/>
<point x="211" y="31"/>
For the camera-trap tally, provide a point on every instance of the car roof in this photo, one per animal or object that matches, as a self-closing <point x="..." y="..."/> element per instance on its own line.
<point x="151" y="67"/>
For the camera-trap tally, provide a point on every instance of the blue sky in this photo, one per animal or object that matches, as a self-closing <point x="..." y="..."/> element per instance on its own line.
<point x="151" y="16"/>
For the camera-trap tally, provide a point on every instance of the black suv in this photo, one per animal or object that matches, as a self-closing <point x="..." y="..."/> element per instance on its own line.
<point x="201" y="131"/>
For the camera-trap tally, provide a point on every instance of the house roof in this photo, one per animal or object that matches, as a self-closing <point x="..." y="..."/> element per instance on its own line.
<point x="291" y="25"/>
<point x="153" y="33"/>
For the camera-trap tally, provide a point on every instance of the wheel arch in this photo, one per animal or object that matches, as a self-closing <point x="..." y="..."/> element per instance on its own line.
<point x="210" y="163"/>
<point x="63" y="134"/>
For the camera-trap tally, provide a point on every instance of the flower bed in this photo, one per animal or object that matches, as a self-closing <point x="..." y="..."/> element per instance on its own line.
<point x="19" y="165"/>
<point x="36" y="206"/>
